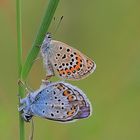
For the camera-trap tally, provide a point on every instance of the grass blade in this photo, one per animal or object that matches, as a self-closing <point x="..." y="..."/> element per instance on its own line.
<point x="49" y="13"/>
<point x="19" y="47"/>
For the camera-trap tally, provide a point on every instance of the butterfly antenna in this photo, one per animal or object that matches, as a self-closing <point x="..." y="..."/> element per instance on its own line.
<point x="58" y="24"/>
<point x="32" y="130"/>
<point x="52" y="25"/>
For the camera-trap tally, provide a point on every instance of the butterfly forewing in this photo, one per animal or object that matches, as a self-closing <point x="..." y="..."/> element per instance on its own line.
<point x="68" y="62"/>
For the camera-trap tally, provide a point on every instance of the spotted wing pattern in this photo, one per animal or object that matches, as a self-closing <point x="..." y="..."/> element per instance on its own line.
<point x="68" y="62"/>
<point x="61" y="102"/>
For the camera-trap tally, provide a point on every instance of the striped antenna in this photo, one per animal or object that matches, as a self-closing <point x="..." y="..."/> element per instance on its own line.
<point x="58" y="25"/>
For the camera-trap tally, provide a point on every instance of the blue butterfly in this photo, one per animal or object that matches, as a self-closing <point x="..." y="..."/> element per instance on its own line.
<point x="58" y="101"/>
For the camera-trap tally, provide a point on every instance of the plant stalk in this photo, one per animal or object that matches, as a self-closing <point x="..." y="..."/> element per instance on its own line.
<point x="46" y="20"/>
<point x="23" y="70"/>
<point x="19" y="47"/>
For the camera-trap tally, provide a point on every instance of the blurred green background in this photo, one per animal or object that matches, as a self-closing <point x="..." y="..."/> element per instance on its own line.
<point x="107" y="31"/>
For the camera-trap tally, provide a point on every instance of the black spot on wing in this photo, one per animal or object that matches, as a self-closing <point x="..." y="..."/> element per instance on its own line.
<point x="64" y="56"/>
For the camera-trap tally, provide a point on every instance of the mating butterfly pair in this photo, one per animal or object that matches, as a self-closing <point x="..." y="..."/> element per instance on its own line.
<point x="60" y="101"/>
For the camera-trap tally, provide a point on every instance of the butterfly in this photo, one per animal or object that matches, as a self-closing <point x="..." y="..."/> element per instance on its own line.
<point x="58" y="101"/>
<point x="67" y="62"/>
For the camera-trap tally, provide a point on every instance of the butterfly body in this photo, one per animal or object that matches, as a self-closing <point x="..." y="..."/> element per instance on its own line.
<point x="56" y="101"/>
<point x="67" y="62"/>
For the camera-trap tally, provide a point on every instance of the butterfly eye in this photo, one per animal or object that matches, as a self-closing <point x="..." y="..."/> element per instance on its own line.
<point x="48" y="35"/>
<point x="28" y="117"/>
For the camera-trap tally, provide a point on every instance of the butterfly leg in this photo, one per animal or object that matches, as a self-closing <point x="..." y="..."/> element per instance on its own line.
<point x="43" y="85"/>
<point x="45" y="82"/>
<point x="39" y="57"/>
<point x="50" y="72"/>
<point x="49" y="69"/>
<point x="23" y="103"/>
<point x="20" y="82"/>
<point x="48" y="77"/>
<point x="21" y="108"/>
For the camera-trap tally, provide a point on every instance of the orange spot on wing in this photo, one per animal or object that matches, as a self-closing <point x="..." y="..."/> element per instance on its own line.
<point x="72" y="69"/>
<point x="70" y="98"/>
<point x="67" y="71"/>
<point x="77" y="67"/>
<point x="79" y="62"/>
<point x="61" y="71"/>
<point x="70" y="113"/>
<point x="60" y="87"/>
<point x="89" y="62"/>
<point x="66" y="93"/>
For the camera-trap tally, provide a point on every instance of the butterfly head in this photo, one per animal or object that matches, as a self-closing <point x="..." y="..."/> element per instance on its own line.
<point x="26" y="117"/>
<point x="46" y="42"/>
<point x="48" y="36"/>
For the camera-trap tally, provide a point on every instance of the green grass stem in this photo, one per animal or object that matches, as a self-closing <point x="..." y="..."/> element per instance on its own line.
<point x="19" y="47"/>
<point x="23" y="70"/>
<point x="46" y="20"/>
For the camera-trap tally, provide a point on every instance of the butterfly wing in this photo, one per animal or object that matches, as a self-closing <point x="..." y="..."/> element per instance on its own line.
<point x="61" y="102"/>
<point x="68" y="62"/>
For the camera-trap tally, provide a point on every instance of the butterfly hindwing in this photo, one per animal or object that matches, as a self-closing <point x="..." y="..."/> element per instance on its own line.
<point x="61" y="102"/>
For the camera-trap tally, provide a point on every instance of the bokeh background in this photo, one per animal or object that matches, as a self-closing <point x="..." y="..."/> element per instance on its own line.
<point x="107" y="31"/>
